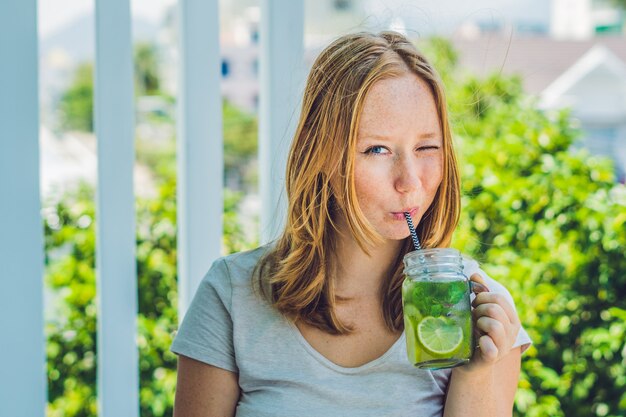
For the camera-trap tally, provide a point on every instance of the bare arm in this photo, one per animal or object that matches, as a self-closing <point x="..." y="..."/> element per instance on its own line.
<point x="487" y="392"/>
<point x="204" y="391"/>
<point x="487" y="385"/>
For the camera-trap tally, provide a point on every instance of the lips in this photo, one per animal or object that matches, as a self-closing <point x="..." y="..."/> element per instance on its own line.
<point x="399" y="215"/>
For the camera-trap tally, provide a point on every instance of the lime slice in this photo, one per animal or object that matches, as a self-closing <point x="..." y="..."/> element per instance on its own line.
<point x="411" y="342"/>
<point x="439" y="336"/>
<point x="412" y="312"/>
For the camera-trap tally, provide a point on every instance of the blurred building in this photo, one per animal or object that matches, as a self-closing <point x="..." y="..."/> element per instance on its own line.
<point x="588" y="76"/>
<point x="580" y="65"/>
<point x="583" y="19"/>
<point x="239" y="22"/>
<point x="576" y="61"/>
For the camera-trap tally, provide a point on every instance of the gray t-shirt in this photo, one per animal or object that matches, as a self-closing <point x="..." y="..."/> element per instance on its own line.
<point x="230" y="326"/>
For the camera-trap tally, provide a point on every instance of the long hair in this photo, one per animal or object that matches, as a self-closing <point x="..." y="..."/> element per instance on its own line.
<point x="295" y="276"/>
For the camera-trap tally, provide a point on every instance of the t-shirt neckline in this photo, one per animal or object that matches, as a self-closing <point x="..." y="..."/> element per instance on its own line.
<point x="332" y="365"/>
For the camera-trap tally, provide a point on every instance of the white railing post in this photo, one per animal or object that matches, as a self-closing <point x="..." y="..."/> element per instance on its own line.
<point x="200" y="164"/>
<point x="22" y="354"/>
<point x="118" y="368"/>
<point x="281" y="79"/>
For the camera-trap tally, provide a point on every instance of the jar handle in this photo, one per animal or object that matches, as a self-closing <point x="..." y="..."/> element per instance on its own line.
<point x="478" y="284"/>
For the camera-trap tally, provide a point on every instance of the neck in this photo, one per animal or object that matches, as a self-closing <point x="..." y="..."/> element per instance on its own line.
<point x="359" y="274"/>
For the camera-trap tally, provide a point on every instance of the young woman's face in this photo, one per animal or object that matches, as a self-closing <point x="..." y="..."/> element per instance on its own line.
<point x="399" y="161"/>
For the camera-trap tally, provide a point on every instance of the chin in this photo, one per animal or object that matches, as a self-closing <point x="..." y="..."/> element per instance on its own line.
<point x="394" y="235"/>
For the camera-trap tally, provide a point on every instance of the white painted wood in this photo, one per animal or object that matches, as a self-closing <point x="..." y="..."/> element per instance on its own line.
<point x="281" y="76"/>
<point x="22" y="355"/>
<point x="200" y="146"/>
<point x="118" y="369"/>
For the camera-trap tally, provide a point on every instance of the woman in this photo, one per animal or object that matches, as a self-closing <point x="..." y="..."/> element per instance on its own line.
<point x="311" y="325"/>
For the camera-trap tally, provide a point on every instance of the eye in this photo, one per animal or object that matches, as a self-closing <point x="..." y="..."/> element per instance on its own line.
<point x="376" y="150"/>
<point x="428" y="148"/>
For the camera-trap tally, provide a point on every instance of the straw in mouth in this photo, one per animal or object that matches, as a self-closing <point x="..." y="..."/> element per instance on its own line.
<point x="416" y="241"/>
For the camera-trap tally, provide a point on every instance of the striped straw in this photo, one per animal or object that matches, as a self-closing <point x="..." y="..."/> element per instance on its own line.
<point x="416" y="241"/>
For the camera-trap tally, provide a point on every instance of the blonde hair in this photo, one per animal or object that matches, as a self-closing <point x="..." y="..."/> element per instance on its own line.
<point x="296" y="274"/>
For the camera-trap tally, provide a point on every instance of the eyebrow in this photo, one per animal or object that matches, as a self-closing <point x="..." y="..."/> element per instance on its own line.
<point x="427" y="135"/>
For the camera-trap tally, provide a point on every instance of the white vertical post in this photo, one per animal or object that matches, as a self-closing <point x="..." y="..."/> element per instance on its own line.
<point x="118" y="368"/>
<point x="200" y="149"/>
<point x="22" y="355"/>
<point x="281" y="76"/>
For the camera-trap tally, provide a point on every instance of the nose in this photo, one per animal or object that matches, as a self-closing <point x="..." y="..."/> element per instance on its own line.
<point x="407" y="177"/>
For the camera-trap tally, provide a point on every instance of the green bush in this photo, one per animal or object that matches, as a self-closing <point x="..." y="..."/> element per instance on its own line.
<point x="76" y="104"/>
<point x="549" y="223"/>
<point x="71" y="347"/>
<point x="70" y="253"/>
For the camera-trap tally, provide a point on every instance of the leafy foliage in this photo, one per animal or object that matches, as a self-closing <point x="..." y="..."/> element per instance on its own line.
<point x="76" y="104"/>
<point x="70" y="261"/>
<point x="147" y="80"/>
<point x="240" y="147"/>
<point x="549" y="223"/>
<point x="620" y="3"/>
<point x="240" y="128"/>
<point x="71" y="348"/>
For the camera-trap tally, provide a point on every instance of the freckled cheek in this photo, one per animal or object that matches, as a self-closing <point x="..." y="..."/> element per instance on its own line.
<point x="366" y="190"/>
<point x="432" y="180"/>
<point x="430" y="171"/>
<point x="369" y="189"/>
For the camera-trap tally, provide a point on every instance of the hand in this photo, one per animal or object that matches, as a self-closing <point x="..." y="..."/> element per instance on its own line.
<point x="496" y="324"/>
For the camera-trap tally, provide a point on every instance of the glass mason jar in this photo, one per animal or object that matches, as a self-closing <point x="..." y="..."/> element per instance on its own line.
<point x="436" y="306"/>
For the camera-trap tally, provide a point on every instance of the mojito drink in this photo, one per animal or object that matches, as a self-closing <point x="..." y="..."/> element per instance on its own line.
<point x="437" y="322"/>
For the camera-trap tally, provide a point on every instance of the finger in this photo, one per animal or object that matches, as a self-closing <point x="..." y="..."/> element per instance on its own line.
<point x="477" y="288"/>
<point x="488" y="349"/>
<point x="495" y="311"/>
<point x="494" y="329"/>
<point x="490" y="297"/>
<point x="478" y="284"/>
<point x="506" y="338"/>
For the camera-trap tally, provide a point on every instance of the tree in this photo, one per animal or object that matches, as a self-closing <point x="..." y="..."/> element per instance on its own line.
<point x="70" y="261"/>
<point x="240" y="128"/>
<point x="240" y="147"/>
<point x="620" y="3"/>
<point x="76" y="105"/>
<point x="548" y="222"/>
<point x="147" y="79"/>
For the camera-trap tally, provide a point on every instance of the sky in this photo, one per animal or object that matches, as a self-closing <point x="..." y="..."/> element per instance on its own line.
<point x="448" y="12"/>
<point x="54" y="14"/>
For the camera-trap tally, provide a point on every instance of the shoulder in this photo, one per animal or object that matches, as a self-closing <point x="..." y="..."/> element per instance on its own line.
<point x="233" y="270"/>
<point x="243" y="262"/>
<point x="228" y="276"/>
